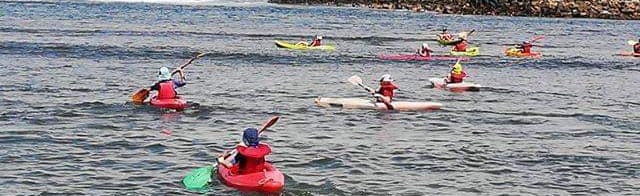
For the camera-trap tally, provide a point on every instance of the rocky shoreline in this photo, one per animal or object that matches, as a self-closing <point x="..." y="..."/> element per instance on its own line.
<point x="607" y="9"/>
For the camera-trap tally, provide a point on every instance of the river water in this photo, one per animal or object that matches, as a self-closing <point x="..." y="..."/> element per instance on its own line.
<point x="567" y="123"/>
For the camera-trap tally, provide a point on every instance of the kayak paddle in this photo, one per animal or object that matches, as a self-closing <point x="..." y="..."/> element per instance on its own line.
<point x="535" y="39"/>
<point x="139" y="96"/>
<point x="200" y="177"/>
<point x="631" y="42"/>
<point x="356" y="80"/>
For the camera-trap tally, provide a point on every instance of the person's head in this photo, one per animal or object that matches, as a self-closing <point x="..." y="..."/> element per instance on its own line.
<point x="444" y="30"/>
<point x="526" y="42"/>
<point x="319" y="37"/>
<point x="425" y="45"/>
<point x="457" y="68"/>
<point x="250" y="137"/>
<point x="386" y="78"/>
<point x="164" y="74"/>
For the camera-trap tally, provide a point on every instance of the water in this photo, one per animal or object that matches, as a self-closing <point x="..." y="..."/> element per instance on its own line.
<point x="564" y="124"/>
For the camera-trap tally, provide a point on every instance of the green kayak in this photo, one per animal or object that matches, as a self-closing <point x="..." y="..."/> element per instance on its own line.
<point x="472" y="51"/>
<point x="447" y="42"/>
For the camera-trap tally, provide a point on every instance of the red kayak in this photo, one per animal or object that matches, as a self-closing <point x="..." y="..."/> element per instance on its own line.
<point x="269" y="181"/>
<point x="415" y="57"/>
<point x="177" y="104"/>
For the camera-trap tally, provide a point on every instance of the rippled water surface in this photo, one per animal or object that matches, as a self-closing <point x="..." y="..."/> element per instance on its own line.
<point x="567" y="123"/>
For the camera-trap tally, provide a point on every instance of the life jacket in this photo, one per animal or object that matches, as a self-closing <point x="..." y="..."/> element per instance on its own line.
<point x="166" y="90"/>
<point x="457" y="77"/>
<point x="387" y="88"/>
<point x="526" y="48"/>
<point x="446" y="36"/>
<point x="636" y="48"/>
<point x="461" y="47"/>
<point x="253" y="158"/>
<point x="315" y="42"/>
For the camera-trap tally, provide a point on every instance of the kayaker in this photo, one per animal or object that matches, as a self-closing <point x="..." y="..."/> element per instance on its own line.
<point x="461" y="45"/>
<point x="251" y="154"/>
<point x="636" y="47"/>
<point x="316" y="41"/>
<point x="385" y="92"/>
<point x="446" y="35"/>
<point x="166" y="86"/>
<point x="525" y="47"/>
<point x="456" y="75"/>
<point x="425" y="51"/>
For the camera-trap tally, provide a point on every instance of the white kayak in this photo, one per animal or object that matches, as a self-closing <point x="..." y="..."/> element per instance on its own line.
<point x="358" y="103"/>
<point x="463" y="86"/>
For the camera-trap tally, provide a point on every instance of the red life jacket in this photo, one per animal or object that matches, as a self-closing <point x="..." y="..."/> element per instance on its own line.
<point x="636" y="48"/>
<point x="457" y="78"/>
<point x="461" y="47"/>
<point x="526" y="48"/>
<point x="387" y="88"/>
<point x="315" y="42"/>
<point x="253" y="158"/>
<point x="166" y="90"/>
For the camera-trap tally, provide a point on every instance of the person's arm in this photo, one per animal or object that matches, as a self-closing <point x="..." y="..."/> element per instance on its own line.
<point x="155" y="86"/>
<point x="223" y="161"/>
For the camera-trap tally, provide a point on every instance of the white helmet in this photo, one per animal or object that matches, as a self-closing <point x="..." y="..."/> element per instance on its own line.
<point x="164" y="74"/>
<point x="425" y="45"/>
<point x="386" y="78"/>
<point x="319" y="37"/>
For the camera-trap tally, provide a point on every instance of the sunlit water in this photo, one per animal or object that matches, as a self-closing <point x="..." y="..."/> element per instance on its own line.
<point x="567" y="123"/>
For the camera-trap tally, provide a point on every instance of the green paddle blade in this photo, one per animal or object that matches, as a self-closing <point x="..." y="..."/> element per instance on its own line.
<point x="198" y="178"/>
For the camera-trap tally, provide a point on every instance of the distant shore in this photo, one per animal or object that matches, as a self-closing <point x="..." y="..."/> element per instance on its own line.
<point x="606" y="9"/>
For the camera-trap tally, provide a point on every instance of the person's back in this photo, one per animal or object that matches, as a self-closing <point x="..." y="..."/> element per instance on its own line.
<point x="166" y="90"/>
<point x="166" y="86"/>
<point x="251" y="159"/>
<point x="526" y="47"/>
<point x="425" y="51"/>
<point x="317" y="41"/>
<point x="461" y="46"/>
<point x="456" y="75"/>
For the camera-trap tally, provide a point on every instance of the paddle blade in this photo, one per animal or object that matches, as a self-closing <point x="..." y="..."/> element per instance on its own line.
<point x="198" y="178"/>
<point x="535" y="39"/>
<point x="631" y="42"/>
<point x="355" y="80"/>
<point x="140" y="96"/>
<point x="268" y="123"/>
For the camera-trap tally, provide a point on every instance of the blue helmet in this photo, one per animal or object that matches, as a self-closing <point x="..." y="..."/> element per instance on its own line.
<point x="250" y="137"/>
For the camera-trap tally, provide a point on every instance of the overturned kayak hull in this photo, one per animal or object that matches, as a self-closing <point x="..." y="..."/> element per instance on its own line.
<point x="473" y="51"/>
<point x="177" y="104"/>
<point x="455" y="87"/>
<point x="269" y="181"/>
<point x="287" y="45"/>
<point x="415" y="57"/>
<point x="358" y="103"/>
<point x="514" y="52"/>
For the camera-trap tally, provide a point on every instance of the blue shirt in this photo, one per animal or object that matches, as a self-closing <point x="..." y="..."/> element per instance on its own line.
<point x="176" y="84"/>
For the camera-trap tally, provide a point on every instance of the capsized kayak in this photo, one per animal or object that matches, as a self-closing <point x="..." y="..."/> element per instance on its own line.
<point x="514" y="52"/>
<point x="358" y="103"/>
<point x="455" y="87"/>
<point x="177" y="104"/>
<point x="269" y="181"/>
<point x="416" y="57"/>
<point x="473" y="51"/>
<point x="283" y="44"/>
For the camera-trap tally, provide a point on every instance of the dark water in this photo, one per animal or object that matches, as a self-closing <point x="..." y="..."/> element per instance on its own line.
<point x="567" y="123"/>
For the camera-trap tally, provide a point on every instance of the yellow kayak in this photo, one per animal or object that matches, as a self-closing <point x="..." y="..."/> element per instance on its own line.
<point x="287" y="45"/>
<point x="514" y="52"/>
<point x="473" y="51"/>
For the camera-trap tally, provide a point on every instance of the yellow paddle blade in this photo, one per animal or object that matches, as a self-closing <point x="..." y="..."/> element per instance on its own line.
<point x="140" y="96"/>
